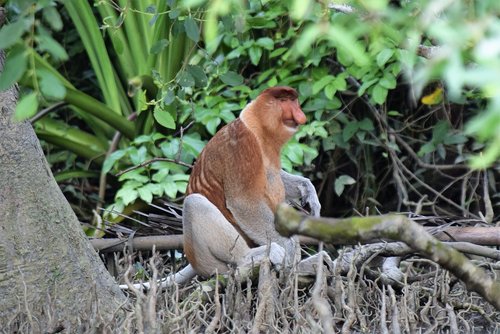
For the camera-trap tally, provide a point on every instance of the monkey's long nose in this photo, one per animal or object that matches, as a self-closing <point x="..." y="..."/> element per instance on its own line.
<point x="299" y="116"/>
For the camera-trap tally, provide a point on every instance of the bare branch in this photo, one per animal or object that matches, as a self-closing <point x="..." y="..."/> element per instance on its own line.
<point x="162" y="242"/>
<point x="487" y="236"/>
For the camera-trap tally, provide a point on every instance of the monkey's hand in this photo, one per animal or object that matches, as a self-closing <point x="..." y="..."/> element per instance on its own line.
<point x="298" y="187"/>
<point x="275" y="252"/>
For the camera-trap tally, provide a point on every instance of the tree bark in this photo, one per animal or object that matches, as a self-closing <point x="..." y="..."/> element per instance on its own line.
<point x="50" y="276"/>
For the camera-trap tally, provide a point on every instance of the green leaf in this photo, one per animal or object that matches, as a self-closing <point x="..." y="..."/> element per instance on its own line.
<point x="198" y="74"/>
<point x="426" y="148"/>
<point x="306" y="39"/>
<point x="142" y="101"/>
<point x="231" y="78"/>
<point x="192" y="30"/>
<point x="300" y="8"/>
<point x="212" y="125"/>
<point x="266" y="43"/>
<point x="193" y="144"/>
<point x="321" y="83"/>
<point x="188" y="4"/>
<point x="394" y="113"/>
<point x="346" y="40"/>
<point x="164" y="118"/>
<point x="180" y="177"/>
<point x="159" y="46"/>
<point x="135" y="175"/>
<point x="11" y="33"/>
<point x="349" y="130"/>
<point x="174" y="13"/>
<point x="185" y="79"/>
<point x="384" y="56"/>
<point x="169" y="97"/>
<point x="328" y="143"/>
<point x="340" y="82"/>
<point x="293" y="151"/>
<point x="455" y="139"/>
<point x="50" y="85"/>
<point x="26" y="107"/>
<point x="181" y="187"/>
<point x="330" y="91"/>
<point x="52" y="17"/>
<point x="366" y="124"/>
<point x="137" y="156"/>
<point x="365" y="85"/>
<point x="379" y="94"/>
<point x="145" y="194"/>
<point x="170" y="148"/>
<point x="161" y="174"/>
<point x="235" y="53"/>
<point x="388" y="81"/>
<point x="47" y="43"/>
<point x="111" y="160"/>
<point x="440" y="131"/>
<point x="127" y="195"/>
<point x="255" y="53"/>
<point x="488" y="157"/>
<point x="305" y="89"/>
<point x="341" y="182"/>
<point x="278" y="52"/>
<point x="170" y="188"/>
<point x="14" y="67"/>
<point x="151" y="9"/>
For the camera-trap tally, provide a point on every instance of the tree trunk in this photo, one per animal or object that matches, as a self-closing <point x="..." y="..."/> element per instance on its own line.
<point x="50" y="276"/>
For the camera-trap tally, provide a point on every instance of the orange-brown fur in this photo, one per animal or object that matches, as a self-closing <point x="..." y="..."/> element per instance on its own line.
<point x="243" y="158"/>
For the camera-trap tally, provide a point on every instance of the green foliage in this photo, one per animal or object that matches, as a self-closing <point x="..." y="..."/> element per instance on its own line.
<point x="128" y="79"/>
<point x="183" y="69"/>
<point x="158" y="179"/>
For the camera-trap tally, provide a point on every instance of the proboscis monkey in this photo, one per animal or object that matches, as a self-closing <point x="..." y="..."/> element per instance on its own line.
<point x="237" y="184"/>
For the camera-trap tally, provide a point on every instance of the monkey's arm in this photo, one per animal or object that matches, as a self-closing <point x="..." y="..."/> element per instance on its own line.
<point x="298" y="187"/>
<point x="256" y="220"/>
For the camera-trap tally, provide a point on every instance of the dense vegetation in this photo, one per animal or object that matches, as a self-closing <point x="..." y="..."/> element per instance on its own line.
<point x="387" y="110"/>
<point x="403" y="107"/>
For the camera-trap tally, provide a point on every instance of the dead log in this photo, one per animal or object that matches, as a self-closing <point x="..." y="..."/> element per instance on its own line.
<point x="486" y="236"/>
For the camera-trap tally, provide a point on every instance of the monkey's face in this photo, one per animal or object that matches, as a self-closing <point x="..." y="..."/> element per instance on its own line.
<point x="291" y="114"/>
<point x="275" y="114"/>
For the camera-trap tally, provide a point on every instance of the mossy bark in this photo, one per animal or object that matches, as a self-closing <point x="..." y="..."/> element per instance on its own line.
<point x="393" y="227"/>
<point x="49" y="273"/>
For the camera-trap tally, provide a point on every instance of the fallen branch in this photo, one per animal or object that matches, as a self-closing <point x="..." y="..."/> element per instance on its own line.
<point x="485" y="236"/>
<point x="394" y="227"/>
<point x="161" y="242"/>
<point x="360" y="255"/>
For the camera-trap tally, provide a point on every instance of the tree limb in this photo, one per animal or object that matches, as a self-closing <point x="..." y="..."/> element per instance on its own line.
<point x="161" y="242"/>
<point x="394" y="227"/>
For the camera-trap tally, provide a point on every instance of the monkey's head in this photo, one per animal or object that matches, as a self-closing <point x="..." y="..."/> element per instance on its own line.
<point x="277" y="113"/>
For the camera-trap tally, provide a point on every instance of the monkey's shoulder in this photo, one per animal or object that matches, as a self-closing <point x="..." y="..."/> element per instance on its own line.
<point x="239" y="142"/>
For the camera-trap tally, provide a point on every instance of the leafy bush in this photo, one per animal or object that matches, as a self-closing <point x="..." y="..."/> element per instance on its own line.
<point x="384" y="113"/>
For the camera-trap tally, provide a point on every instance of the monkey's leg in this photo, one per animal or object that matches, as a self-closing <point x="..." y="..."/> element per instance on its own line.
<point x="214" y="242"/>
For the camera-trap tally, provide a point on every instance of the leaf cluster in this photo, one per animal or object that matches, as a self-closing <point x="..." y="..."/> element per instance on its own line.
<point x="182" y="70"/>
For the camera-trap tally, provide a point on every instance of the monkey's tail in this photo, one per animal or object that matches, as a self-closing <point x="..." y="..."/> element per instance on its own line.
<point x="181" y="277"/>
